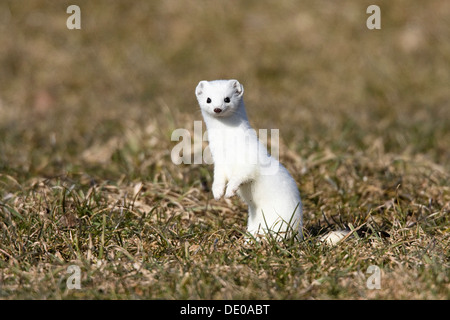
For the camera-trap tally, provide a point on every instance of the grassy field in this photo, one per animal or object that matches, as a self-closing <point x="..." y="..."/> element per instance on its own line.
<point x="86" y="176"/>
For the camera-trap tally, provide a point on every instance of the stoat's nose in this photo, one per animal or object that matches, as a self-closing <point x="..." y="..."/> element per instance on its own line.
<point x="217" y="110"/>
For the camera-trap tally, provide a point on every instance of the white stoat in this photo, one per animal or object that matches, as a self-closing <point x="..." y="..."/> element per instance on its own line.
<point x="242" y="164"/>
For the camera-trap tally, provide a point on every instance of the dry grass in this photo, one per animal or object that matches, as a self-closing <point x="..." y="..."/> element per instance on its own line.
<point x="85" y="173"/>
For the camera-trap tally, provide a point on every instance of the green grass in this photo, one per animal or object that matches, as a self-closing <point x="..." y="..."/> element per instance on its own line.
<point x="85" y="172"/>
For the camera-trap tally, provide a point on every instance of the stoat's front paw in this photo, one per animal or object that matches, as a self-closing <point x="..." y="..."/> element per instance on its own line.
<point x="231" y="190"/>
<point x="217" y="190"/>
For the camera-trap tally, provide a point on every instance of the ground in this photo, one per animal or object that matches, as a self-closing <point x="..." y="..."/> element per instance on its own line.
<point x="86" y="177"/>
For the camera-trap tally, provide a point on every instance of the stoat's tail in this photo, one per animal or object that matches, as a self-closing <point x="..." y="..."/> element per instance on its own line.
<point x="334" y="237"/>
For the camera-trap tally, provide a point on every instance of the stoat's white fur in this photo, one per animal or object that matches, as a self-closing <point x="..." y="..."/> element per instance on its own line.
<point x="242" y="164"/>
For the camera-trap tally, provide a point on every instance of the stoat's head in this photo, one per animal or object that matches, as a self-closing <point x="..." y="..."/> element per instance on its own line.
<point x="219" y="98"/>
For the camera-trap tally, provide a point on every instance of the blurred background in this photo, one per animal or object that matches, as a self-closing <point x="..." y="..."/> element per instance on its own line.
<point x="105" y="99"/>
<point x="86" y="118"/>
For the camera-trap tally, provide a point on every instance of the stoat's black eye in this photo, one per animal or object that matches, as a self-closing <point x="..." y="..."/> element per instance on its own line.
<point x="227" y="100"/>
<point x="208" y="100"/>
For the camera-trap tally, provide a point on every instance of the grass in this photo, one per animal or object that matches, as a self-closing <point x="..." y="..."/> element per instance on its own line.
<point x="86" y="177"/>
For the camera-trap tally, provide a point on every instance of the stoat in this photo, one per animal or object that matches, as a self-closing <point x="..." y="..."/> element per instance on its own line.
<point x="243" y="166"/>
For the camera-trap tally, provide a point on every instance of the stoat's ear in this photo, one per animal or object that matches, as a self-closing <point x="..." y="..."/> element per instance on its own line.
<point x="200" y="86"/>
<point x="238" y="88"/>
